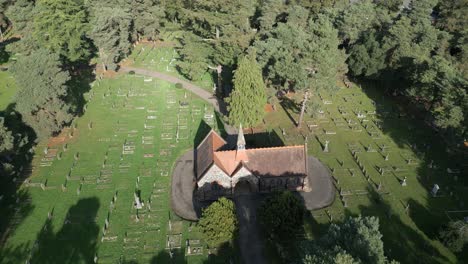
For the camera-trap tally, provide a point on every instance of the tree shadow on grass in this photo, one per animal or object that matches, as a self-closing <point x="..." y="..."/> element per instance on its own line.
<point x="404" y="123"/>
<point x="401" y="241"/>
<point x="290" y="106"/>
<point x="176" y="256"/>
<point x="81" y="78"/>
<point x="15" y="167"/>
<point x="75" y="242"/>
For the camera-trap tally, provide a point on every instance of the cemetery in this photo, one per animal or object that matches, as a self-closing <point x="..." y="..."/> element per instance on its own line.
<point x="107" y="183"/>
<point x="105" y="180"/>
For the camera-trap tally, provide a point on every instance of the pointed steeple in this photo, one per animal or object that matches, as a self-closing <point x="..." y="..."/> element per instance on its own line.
<point x="240" y="139"/>
<point x="240" y="150"/>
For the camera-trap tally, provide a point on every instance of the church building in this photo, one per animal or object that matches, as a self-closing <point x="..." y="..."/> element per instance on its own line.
<point x="221" y="172"/>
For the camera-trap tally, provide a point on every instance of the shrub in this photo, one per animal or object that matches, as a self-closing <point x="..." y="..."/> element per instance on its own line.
<point x="218" y="222"/>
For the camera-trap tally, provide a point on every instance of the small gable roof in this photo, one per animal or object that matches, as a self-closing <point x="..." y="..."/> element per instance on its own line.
<point x="204" y="152"/>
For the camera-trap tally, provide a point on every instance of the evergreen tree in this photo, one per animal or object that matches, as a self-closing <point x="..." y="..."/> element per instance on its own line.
<point x="147" y="16"/>
<point x="247" y="101"/>
<point x="111" y="33"/>
<point x="218" y="223"/>
<point x="61" y="27"/>
<point x="42" y="91"/>
<point x="20" y="13"/>
<point x="194" y="54"/>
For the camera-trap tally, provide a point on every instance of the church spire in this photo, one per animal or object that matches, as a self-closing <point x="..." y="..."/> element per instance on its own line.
<point x="240" y="139"/>
<point x="241" y="155"/>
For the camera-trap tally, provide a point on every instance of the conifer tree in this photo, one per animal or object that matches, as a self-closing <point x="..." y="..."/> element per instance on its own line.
<point x="247" y="101"/>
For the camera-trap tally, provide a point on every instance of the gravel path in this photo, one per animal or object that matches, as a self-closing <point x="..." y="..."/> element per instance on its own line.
<point x="320" y="181"/>
<point x="182" y="188"/>
<point x="219" y="105"/>
<point x="183" y="182"/>
<point x="250" y="242"/>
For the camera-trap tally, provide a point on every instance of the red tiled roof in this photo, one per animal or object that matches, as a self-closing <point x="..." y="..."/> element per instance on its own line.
<point x="204" y="151"/>
<point x="267" y="162"/>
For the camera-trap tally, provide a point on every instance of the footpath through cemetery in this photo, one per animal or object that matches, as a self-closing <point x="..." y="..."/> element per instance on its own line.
<point x="101" y="189"/>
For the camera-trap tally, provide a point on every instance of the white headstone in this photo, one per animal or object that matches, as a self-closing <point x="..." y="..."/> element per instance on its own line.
<point x="434" y="190"/>
<point x="325" y="148"/>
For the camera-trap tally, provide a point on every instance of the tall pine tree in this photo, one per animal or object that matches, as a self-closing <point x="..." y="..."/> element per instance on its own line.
<point x="247" y="101"/>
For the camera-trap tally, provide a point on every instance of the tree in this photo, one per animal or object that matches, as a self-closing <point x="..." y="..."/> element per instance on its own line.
<point x="61" y="27"/>
<point x="367" y="57"/>
<point x="355" y="19"/>
<point x="3" y="17"/>
<point x="218" y="223"/>
<point x="194" y="54"/>
<point x="6" y="138"/>
<point x="281" y="216"/>
<point x="247" y="101"/>
<point x="452" y="15"/>
<point x="147" y="16"/>
<point x="41" y="98"/>
<point x="111" y="33"/>
<point x="270" y="10"/>
<point x="357" y="240"/>
<point x="20" y="13"/>
<point x="225" y="25"/>
<point x="455" y="235"/>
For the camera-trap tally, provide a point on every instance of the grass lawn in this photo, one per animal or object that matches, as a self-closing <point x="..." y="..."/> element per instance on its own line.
<point x="125" y="141"/>
<point x="7" y="89"/>
<point x="164" y="59"/>
<point x="409" y="232"/>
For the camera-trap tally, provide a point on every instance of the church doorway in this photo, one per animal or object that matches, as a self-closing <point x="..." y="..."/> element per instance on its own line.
<point x="243" y="187"/>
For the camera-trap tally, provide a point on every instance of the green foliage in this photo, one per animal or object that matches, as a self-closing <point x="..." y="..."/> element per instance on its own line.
<point x="357" y="240"/>
<point x="6" y="138"/>
<point x="281" y="216"/>
<point x="194" y="55"/>
<point x="247" y="101"/>
<point x="357" y="18"/>
<point x="223" y="24"/>
<point x="111" y="33"/>
<point x="302" y="54"/>
<point x="453" y="15"/>
<point x="20" y="14"/>
<point x="218" y="222"/>
<point x="41" y="92"/>
<point x="61" y="27"/>
<point x="147" y="18"/>
<point x="455" y="235"/>
<point x="367" y="57"/>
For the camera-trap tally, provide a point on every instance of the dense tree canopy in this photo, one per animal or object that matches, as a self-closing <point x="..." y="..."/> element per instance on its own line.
<point x="357" y="240"/>
<point x="41" y="98"/>
<point x="247" y="101"/>
<point x="281" y="216"/>
<point x="61" y="26"/>
<point x="218" y="223"/>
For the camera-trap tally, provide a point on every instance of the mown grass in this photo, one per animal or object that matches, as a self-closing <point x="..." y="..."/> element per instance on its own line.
<point x="410" y="235"/>
<point x="7" y="89"/>
<point x="116" y="113"/>
<point x="164" y="59"/>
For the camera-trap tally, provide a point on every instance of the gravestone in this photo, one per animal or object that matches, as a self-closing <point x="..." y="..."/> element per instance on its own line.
<point x="137" y="204"/>
<point x="403" y="182"/>
<point x="435" y="189"/>
<point x="325" y="148"/>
